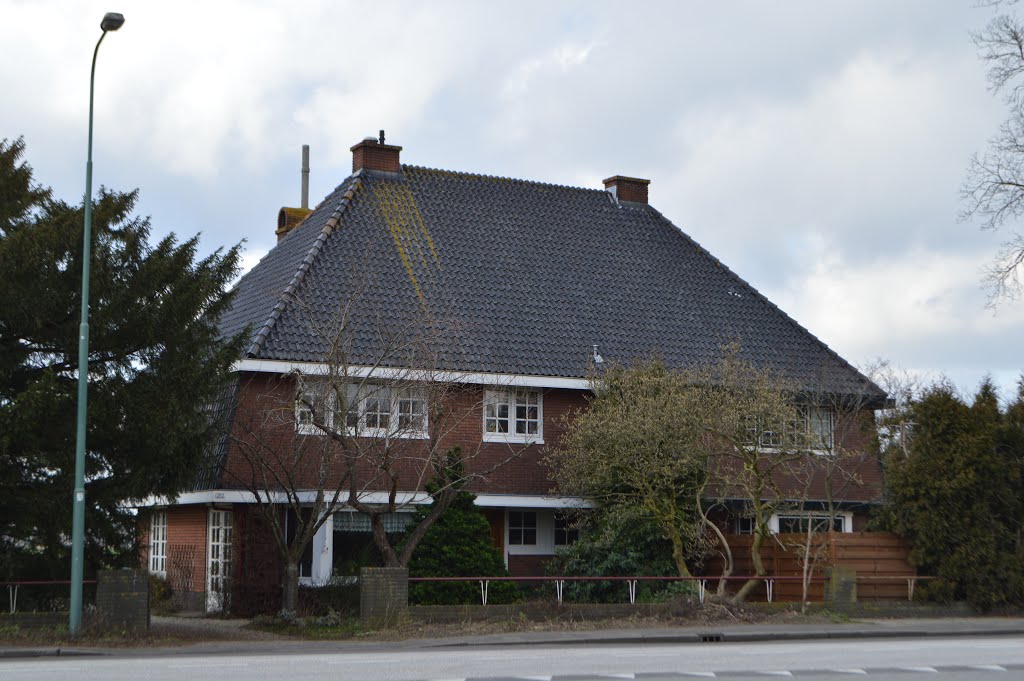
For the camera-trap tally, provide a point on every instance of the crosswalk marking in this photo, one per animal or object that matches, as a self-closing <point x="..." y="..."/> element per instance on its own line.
<point x="931" y="670"/>
<point x="988" y="667"/>
<point x="848" y="671"/>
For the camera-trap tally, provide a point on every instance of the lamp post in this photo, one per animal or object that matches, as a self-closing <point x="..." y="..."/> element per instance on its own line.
<point x="111" y="22"/>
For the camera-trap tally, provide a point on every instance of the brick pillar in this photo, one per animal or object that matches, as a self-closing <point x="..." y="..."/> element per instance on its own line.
<point x="841" y="589"/>
<point x="383" y="596"/>
<point x="122" y="600"/>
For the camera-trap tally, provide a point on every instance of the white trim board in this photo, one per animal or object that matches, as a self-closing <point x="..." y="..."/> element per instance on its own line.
<point x="274" y="366"/>
<point x="237" y="496"/>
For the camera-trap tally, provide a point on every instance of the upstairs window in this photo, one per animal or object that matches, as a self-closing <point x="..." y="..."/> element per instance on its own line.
<point x="369" y="410"/>
<point x="514" y="415"/>
<point x="811" y="428"/>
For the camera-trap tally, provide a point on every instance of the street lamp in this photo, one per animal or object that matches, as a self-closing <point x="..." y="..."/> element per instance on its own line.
<point x="111" y="22"/>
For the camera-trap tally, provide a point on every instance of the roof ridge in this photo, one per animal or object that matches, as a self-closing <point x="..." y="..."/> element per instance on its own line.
<point x="706" y="253"/>
<point x="484" y="176"/>
<point x="304" y="266"/>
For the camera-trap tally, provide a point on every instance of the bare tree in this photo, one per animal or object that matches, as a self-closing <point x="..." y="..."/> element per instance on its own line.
<point x="827" y="472"/>
<point x="637" y="447"/>
<point x="365" y="437"/>
<point x="663" y="440"/>
<point x="993" y="190"/>
<point x="754" y="444"/>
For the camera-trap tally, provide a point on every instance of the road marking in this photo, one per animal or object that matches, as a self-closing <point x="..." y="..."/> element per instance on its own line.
<point x="780" y="672"/>
<point x="536" y="678"/>
<point x="988" y="667"/>
<point x="930" y="670"/>
<point x="208" y="664"/>
<point x="848" y="671"/>
<point x="709" y="675"/>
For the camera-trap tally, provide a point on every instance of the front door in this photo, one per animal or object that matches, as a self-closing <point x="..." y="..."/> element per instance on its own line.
<point x="218" y="559"/>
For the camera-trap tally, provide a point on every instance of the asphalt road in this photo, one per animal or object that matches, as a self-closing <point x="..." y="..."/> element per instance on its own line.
<point x="967" y="658"/>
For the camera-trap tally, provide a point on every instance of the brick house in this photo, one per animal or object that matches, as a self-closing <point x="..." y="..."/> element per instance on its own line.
<point x="535" y="284"/>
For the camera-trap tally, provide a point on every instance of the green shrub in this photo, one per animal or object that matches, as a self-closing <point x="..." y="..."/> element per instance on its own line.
<point x="458" y="545"/>
<point x="620" y="544"/>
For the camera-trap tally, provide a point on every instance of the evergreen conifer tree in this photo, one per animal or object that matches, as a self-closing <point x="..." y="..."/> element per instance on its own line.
<point x="156" y="363"/>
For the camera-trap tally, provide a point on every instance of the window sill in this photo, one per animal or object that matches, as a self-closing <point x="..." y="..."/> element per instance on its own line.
<point x="506" y="438"/>
<point x="367" y="433"/>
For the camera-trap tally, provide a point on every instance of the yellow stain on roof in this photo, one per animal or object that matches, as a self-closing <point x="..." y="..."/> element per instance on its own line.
<point x="412" y="239"/>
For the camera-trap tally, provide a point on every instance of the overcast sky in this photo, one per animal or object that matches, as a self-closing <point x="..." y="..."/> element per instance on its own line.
<point x="817" y="148"/>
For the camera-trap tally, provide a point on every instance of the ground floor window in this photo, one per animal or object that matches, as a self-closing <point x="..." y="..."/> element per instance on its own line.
<point x="218" y="559"/>
<point x="158" y="543"/>
<point x="522" y="528"/>
<point x="565" y="532"/>
<point x="799" y="524"/>
<point x="352" y="540"/>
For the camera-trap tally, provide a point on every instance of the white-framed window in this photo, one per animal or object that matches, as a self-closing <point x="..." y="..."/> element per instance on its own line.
<point x="158" y="543"/>
<point x="812" y="427"/>
<point x="797" y="523"/>
<point x="744" y="524"/>
<point x="514" y="415"/>
<point x="371" y="410"/>
<point x="820" y="425"/>
<point x="522" y="528"/>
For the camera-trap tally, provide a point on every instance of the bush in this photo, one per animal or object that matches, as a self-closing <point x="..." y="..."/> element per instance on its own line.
<point x="333" y="599"/>
<point x="621" y="544"/>
<point x="459" y="545"/>
<point x="161" y="596"/>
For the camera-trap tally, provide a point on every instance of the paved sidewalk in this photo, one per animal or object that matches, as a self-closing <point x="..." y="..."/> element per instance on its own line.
<point x="866" y="628"/>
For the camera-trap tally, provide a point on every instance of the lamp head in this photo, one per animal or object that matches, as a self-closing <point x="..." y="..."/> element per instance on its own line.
<point x="112" y="21"/>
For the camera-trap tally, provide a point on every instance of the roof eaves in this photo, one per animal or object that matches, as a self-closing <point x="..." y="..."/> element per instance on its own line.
<point x="307" y="261"/>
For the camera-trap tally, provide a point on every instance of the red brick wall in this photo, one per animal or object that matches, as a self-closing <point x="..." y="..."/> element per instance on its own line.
<point x="527" y="566"/>
<point x="186" y="528"/>
<point x="265" y="422"/>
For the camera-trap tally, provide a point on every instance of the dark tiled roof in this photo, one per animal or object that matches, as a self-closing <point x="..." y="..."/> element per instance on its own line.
<point x="528" y="276"/>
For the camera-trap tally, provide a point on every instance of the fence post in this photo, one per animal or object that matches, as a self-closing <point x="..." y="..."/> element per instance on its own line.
<point x="122" y="600"/>
<point x="383" y="596"/>
<point x="841" y="589"/>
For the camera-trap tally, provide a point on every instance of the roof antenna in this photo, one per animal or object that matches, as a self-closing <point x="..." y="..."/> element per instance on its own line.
<point x="382" y="137"/>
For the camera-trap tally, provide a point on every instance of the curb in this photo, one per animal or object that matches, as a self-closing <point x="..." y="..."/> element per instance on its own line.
<point x="709" y="636"/>
<point x="706" y="637"/>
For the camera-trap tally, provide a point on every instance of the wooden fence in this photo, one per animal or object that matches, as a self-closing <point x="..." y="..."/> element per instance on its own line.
<point x="880" y="559"/>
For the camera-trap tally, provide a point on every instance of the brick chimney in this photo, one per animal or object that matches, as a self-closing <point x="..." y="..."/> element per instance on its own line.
<point x="627" y="188"/>
<point x="373" y="154"/>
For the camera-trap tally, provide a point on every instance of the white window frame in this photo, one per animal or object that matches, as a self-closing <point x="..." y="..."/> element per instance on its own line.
<point x="513" y="399"/>
<point x="770" y="441"/>
<point x="158" y="543"/>
<point x="219" y="544"/>
<point x="545" y="537"/>
<point x="845" y="516"/>
<point x="362" y="402"/>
